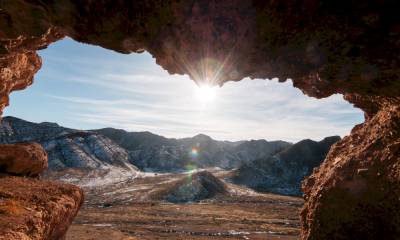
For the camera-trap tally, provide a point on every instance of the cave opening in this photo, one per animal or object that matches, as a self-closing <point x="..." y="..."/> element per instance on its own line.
<point x="157" y="140"/>
<point x="85" y="87"/>
<point x="348" y="48"/>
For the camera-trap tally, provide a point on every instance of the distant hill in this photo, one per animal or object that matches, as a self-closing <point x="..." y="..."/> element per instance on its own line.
<point x="192" y="188"/>
<point x="156" y="153"/>
<point x="283" y="172"/>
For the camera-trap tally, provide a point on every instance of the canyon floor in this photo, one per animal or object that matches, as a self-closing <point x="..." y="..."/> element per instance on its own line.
<point x="127" y="210"/>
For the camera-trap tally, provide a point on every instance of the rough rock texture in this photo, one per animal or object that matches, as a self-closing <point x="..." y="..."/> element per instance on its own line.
<point x="284" y="171"/>
<point x="23" y="159"/>
<point x="355" y="194"/>
<point x="29" y="208"/>
<point x="334" y="48"/>
<point x="326" y="47"/>
<point x="36" y="210"/>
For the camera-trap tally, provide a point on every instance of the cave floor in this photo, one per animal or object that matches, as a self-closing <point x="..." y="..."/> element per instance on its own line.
<point x="239" y="216"/>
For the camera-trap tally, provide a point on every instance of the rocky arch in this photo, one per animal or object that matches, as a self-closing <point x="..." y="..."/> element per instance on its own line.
<point x="326" y="47"/>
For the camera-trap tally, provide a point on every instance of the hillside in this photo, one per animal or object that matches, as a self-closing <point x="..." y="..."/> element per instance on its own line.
<point x="283" y="172"/>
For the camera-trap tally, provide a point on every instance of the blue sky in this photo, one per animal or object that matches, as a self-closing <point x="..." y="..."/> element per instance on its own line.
<point x="87" y="87"/>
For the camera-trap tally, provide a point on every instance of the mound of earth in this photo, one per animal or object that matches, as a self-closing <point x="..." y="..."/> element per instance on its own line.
<point x="191" y="188"/>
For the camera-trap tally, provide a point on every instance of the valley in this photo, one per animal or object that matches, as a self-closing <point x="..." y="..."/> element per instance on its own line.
<point x="126" y="211"/>
<point x="139" y="185"/>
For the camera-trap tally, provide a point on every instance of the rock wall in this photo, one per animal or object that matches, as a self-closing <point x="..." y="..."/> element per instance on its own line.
<point x="31" y="208"/>
<point x="326" y="47"/>
<point x="35" y="209"/>
<point x="355" y="193"/>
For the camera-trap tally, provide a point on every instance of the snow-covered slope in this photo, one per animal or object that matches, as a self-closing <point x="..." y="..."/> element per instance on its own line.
<point x="71" y="149"/>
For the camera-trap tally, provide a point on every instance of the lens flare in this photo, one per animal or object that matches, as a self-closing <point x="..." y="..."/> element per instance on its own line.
<point x="194" y="153"/>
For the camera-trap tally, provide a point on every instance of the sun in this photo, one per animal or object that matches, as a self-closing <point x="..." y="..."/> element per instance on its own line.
<point x="206" y="93"/>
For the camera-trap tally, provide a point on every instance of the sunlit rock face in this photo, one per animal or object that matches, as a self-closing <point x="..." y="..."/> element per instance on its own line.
<point x="22" y="159"/>
<point x="326" y="47"/>
<point x="32" y="209"/>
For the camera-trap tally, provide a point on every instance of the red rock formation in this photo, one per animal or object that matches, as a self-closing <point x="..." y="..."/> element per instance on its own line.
<point x="36" y="210"/>
<point x="30" y="208"/>
<point x="23" y="159"/>
<point x="326" y="47"/>
<point x="355" y="194"/>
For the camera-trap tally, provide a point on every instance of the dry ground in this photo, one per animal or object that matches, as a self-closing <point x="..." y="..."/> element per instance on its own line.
<point x="123" y="212"/>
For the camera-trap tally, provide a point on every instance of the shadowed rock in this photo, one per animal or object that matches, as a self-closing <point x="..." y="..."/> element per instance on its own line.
<point x="283" y="172"/>
<point x="355" y="194"/>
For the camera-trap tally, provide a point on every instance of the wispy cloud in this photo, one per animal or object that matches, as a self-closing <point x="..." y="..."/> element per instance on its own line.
<point x="252" y="109"/>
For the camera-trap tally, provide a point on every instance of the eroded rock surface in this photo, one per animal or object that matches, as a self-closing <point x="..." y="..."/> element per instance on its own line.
<point x="355" y="194"/>
<point x="36" y="210"/>
<point x="326" y="47"/>
<point x="334" y="48"/>
<point x="22" y="159"/>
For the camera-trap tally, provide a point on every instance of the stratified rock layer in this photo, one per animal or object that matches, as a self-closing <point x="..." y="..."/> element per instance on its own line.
<point x="326" y="47"/>
<point x="22" y="159"/>
<point x="36" y="210"/>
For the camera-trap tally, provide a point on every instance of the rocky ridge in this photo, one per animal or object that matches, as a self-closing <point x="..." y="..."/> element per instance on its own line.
<point x="283" y="172"/>
<point x="156" y="153"/>
<point x="130" y="151"/>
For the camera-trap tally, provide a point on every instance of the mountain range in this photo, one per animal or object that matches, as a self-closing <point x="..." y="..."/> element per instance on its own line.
<point x="283" y="172"/>
<point x="263" y="165"/>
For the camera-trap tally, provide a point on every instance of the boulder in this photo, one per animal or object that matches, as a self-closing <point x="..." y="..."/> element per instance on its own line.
<point x="31" y="209"/>
<point x="22" y="159"/>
